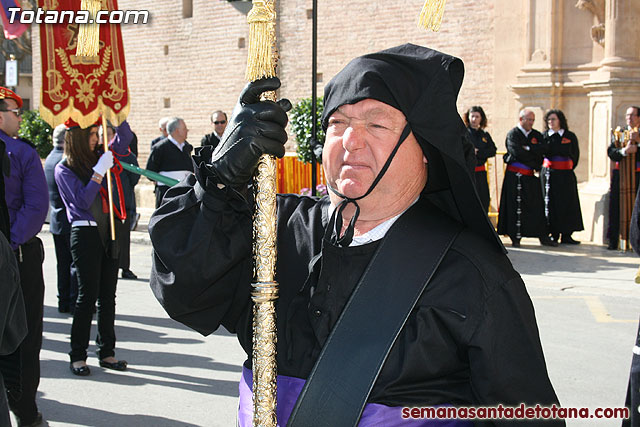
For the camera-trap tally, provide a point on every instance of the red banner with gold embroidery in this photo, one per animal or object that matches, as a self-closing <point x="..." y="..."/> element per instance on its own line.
<point x="77" y="87"/>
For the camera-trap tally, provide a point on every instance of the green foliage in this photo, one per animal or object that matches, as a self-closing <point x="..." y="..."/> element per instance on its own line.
<point x="37" y="131"/>
<point x="301" y="124"/>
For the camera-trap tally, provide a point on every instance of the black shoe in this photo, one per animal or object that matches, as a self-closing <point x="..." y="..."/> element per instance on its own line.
<point x="128" y="274"/>
<point x="64" y="309"/>
<point x="120" y="365"/>
<point x="546" y="241"/>
<point x="515" y="242"/>
<point x="569" y="240"/>
<point x="36" y="422"/>
<point x="612" y="246"/>
<point x="82" y="371"/>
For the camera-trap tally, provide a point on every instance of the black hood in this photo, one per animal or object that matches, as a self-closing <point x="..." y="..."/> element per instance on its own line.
<point x="424" y="85"/>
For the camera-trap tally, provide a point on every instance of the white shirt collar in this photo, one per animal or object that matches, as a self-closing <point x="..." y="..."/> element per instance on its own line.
<point x="523" y="131"/>
<point x="377" y="232"/>
<point x="560" y="132"/>
<point x="218" y="136"/>
<point x="176" y="143"/>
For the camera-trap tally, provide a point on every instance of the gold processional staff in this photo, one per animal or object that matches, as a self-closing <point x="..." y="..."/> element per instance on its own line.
<point x="261" y="63"/>
<point x="627" y="184"/>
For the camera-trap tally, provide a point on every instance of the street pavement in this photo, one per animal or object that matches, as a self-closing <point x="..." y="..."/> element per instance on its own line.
<point x="586" y="303"/>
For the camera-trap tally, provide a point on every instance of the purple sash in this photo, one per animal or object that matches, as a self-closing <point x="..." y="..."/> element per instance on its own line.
<point x="289" y="388"/>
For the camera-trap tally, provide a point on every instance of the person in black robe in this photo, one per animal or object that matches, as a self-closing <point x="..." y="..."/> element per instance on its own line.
<point x="559" y="183"/>
<point x="616" y="154"/>
<point x="394" y="157"/>
<point x="484" y="148"/>
<point x="521" y="204"/>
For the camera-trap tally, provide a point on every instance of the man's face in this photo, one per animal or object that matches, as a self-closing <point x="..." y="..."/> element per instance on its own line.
<point x="219" y="123"/>
<point x="527" y="120"/>
<point x="180" y="134"/>
<point x="359" y="140"/>
<point x="632" y="117"/>
<point x="10" y="120"/>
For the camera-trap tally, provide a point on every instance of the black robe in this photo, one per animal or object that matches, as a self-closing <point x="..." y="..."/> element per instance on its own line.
<point x="486" y="148"/>
<point x="521" y="203"/>
<point x="472" y="338"/>
<point x="560" y="186"/>
<point x="613" y="225"/>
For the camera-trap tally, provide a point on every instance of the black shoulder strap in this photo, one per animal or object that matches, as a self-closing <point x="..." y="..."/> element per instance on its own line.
<point x="344" y="374"/>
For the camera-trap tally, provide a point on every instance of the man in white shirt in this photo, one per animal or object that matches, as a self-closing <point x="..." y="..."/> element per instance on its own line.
<point x="171" y="157"/>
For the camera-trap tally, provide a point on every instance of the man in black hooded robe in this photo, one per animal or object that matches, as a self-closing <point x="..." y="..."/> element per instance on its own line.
<point x="395" y="164"/>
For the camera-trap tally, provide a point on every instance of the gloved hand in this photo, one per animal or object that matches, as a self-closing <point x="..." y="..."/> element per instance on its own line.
<point x="256" y="127"/>
<point x="104" y="163"/>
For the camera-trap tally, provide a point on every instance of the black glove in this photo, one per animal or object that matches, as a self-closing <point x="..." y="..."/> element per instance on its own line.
<point x="256" y="128"/>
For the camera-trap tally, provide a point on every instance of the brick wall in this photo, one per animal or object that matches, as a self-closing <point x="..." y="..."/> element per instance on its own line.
<point x="197" y="64"/>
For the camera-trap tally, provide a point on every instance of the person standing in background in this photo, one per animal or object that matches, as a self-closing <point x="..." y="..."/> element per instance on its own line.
<point x="60" y="228"/>
<point x="476" y="121"/>
<point x="171" y="157"/>
<point x="616" y="154"/>
<point x="129" y="181"/>
<point x="219" y="123"/>
<point x="162" y="127"/>
<point x="80" y="180"/>
<point x="559" y="183"/>
<point x="521" y="203"/>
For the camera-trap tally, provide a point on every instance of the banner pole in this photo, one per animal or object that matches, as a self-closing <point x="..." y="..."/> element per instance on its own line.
<point x="109" y="184"/>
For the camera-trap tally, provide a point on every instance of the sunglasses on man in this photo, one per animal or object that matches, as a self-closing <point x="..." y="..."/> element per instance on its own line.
<point x="16" y="111"/>
<point x="219" y="122"/>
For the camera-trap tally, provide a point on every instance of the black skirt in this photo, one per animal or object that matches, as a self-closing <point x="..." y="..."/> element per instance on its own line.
<point x="521" y="207"/>
<point x="562" y="203"/>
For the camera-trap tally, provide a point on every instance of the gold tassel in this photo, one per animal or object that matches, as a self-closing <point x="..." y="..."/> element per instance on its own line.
<point x="89" y="34"/>
<point x="431" y="16"/>
<point x="261" y="54"/>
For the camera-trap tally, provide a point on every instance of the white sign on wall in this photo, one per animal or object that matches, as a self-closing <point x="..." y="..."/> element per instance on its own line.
<point x="11" y="73"/>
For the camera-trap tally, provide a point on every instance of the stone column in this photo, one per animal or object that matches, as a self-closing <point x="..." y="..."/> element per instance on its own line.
<point x="613" y="87"/>
<point x="622" y="30"/>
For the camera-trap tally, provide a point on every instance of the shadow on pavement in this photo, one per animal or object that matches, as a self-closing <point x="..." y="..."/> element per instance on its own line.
<point x="582" y="259"/>
<point x="80" y="415"/>
<point x="159" y="377"/>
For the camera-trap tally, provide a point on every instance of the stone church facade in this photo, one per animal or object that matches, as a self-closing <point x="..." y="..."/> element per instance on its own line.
<point x="582" y="56"/>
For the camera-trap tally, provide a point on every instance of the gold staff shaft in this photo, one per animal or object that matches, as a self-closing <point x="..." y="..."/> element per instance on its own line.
<point x="261" y="62"/>
<point x="109" y="184"/>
